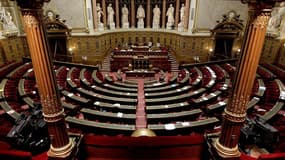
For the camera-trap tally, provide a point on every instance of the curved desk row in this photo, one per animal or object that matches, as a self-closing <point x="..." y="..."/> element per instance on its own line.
<point x="175" y="116"/>
<point x="100" y="127"/>
<point x="161" y="94"/>
<point x="115" y="107"/>
<point x="104" y="98"/>
<point x="92" y="114"/>
<point x="175" y="99"/>
<point x="107" y="92"/>
<point x="167" y="107"/>
<point x="180" y="127"/>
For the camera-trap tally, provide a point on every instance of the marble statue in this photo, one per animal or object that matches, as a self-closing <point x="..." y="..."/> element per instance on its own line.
<point x="6" y="20"/>
<point x="2" y="13"/>
<point x="8" y="23"/>
<point x="170" y="17"/>
<point x="182" y="14"/>
<point x="125" y="17"/>
<point x="182" y="18"/>
<point x="110" y="18"/>
<point x="140" y="16"/>
<point x="99" y="15"/>
<point x="156" y="17"/>
<point x="282" y="20"/>
<point x="276" y="22"/>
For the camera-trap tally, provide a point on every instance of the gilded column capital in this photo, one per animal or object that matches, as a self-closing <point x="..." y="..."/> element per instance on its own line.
<point x="30" y="20"/>
<point x="31" y="4"/>
<point x="262" y="20"/>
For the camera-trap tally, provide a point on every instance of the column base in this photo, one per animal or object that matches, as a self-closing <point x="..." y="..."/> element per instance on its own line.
<point x="68" y="152"/>
<point x="219" y="152"/>
<point x="226" y="152"/>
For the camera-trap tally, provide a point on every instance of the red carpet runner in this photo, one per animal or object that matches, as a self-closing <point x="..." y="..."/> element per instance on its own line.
<point x="141" y="116"/>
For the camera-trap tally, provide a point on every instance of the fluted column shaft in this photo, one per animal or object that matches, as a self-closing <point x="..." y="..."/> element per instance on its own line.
<point x="163" y="14"/>
<point x="117" y="13"/>
<point x="95" y="21"/>
<point x="32" y="14"/>
<point x="235" y="112"/>
<point x="187" y="8"/>
<point x="177" y="10"/>
<point x="148" y="14"/>
<point x="133" y="14"/>
<point x="104" y="13"/>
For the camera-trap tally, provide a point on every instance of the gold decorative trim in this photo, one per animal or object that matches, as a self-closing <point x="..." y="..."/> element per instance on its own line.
<point x="61" y="152"/>
<point x="226" y="152"/>
<point x="143" y="132"/>
<point x="234" y="114"/>
<point x="53" y="117"/>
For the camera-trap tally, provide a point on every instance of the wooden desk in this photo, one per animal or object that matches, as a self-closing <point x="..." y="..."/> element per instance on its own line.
<point x="140" y="73"/>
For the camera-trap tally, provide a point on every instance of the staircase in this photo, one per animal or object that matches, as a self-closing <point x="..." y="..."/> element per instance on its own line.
<point x="174" y="64"/>
<point x="106" y="64"/>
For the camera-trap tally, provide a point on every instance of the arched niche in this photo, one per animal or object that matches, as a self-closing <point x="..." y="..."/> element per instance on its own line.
<point x="58" y="34"/>
<point x="227" y="36"/>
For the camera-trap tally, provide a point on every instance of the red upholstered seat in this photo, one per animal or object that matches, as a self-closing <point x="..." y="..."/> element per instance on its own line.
<point x="15" y="155"/>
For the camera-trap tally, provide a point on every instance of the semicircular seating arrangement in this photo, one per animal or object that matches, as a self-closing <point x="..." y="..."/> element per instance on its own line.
<point x="180" y="103"/>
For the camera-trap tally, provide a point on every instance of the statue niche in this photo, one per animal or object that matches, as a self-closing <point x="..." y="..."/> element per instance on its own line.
<point x="57" y="35"/>
<point x="227" y="35"/>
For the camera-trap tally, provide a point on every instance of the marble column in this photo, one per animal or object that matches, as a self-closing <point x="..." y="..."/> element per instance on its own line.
<point x="89" y="15"/>
<point x="235" y="112"/>
<point x="163" y="21"/>
<point x="133" y="14"/>
<point x="32" y="14"/>
<point x="187" y="6"/>
<point x="117" y="13"/>
<point x="148" y="14"/>
<point x="95" y="14"/>
<point x="177" y="10"/>
<point x="192" y="12"/>
<point x="104" y="13"/>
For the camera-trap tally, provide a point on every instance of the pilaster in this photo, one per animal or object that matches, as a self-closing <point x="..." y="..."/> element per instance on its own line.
<point x="95" y="14"/>
<point x="177" y="10"/>
<point x="117" y="13"/>
<point x="187" y="6"/>
<point x="163" y="14"/>
<point x="133" y="14"/>
<point x="148" y="14"/>
<point x="104" y="13"/>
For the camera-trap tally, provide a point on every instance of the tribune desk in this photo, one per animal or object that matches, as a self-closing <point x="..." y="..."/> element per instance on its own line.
<point x="140" y="73"/>
<point x="140" y="58"/>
